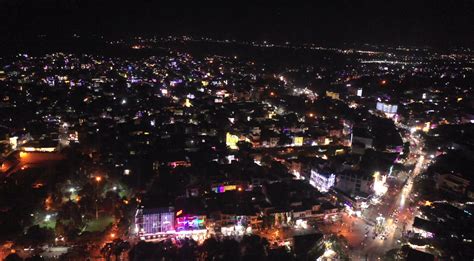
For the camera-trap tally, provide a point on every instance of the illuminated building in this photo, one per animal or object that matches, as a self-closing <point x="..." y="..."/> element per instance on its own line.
<point x="238" y="224"/>
<point x="332" y="95"/>
<point x="322" y="181"/>
<point x="389" y="109"/>
<point x="154" y="222"/>
<point x="298" y="141"/>
<point x="40" y="146"/>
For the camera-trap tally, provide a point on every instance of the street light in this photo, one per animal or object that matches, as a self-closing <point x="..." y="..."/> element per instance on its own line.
<point x="97" y="179"/>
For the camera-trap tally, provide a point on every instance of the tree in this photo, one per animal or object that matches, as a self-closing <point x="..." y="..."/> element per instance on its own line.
<point x="393" y="255"/>
<point x="13" y="257"/>
<point x="60" y="228"/>
<point x="254" y="247"/>
<point x="280" y="254"/>
<point x="230" y="250"/>
<point x="210" y="248"/>
<point x="34" y="258"/>
<point x="36" y="236"/>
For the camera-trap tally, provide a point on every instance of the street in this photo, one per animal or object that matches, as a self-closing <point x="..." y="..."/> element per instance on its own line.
<point x="381" y="226"/>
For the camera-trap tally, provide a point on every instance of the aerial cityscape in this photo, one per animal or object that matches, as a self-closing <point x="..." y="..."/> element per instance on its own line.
<point x="214" y="146"/>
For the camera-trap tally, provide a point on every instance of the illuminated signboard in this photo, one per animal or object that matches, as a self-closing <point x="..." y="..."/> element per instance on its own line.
<point x="187" y="223"/>
<point x="224" y="188"/>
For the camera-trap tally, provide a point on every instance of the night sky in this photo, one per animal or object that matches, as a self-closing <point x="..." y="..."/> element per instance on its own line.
<point x="399" y="22"/>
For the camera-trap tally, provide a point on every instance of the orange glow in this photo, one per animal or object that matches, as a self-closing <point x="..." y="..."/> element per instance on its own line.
<point x="311" y="114"/>
<point x="384" y="82"/>
<point x="272" y="94"/>
<point x="37" y="185"/>
<point x="112" y="235"/>
<point x="98" y="178"/>
<point x="23" y="154"/>
<point x="48" y="202"/>
<point x="179" y="212"/>
<point x="239" y="189"/>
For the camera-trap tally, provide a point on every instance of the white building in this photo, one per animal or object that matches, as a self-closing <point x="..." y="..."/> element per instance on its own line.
<point x="323" y="181"/>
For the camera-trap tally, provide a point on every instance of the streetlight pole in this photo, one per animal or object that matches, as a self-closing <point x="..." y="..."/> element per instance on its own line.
<point x="97" y="179"/>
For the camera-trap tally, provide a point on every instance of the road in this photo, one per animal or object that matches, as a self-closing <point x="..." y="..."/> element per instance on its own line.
<point x="370" y="236"/>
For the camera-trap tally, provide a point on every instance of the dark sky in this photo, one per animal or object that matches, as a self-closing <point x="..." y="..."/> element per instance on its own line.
<point x="405" y="22"/>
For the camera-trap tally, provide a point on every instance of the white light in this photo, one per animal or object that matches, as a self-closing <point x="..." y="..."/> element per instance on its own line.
<point x="380" y="187"/>
<point x="124" y="101"/>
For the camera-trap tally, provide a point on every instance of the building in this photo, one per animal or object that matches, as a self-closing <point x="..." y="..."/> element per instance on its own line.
<point x="415" y="255"/>
<point x="354" y="183"/>
<point x="389" y="109"/>
<point x="321" y="180"/>
<point x="452" y="183"/>
<point x="424" y="228"/>
<point x="154" y="222"/>
<point x="360" y="141"/>
<point x="40" y="146"/>
<point x="302" y="244"/>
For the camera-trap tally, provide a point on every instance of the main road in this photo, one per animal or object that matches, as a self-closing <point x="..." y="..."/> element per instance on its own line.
<point x="382" y="225"/>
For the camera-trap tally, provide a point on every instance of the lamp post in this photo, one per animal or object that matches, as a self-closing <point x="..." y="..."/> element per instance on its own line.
<point x="98" y="179"/>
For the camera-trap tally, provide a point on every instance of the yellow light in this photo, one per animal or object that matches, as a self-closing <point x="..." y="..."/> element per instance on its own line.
<point x="298" y="141"/>
<point x="231" y="141"/>
<point x="427" y="126"/>
<point x="188" y="103"/>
